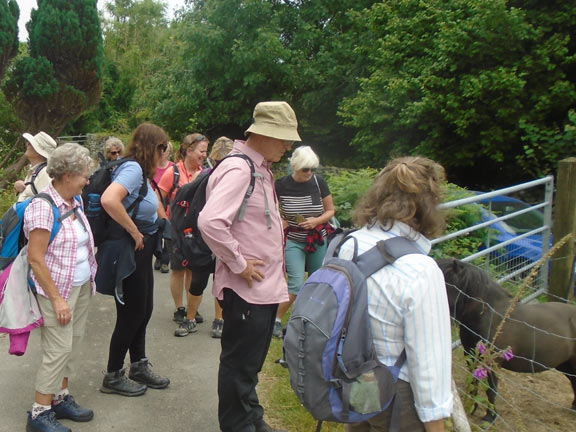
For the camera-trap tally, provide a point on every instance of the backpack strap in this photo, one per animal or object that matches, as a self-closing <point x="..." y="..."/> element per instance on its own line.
<point x="135" y="205"/>
<point x="385" y="252"/>
<point x="34" y="175"/>
<point x="248" y="194"/>
<point x="175" y="185"/>
<point x="57" y="217"/>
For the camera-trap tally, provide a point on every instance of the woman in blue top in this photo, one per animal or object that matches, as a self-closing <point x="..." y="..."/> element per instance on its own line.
<point x="133" y="313"/>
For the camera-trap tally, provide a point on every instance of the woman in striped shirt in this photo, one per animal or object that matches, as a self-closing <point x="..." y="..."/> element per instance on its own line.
<point x="306" y="209"/>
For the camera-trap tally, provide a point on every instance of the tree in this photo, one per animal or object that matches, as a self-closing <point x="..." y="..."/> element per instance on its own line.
<point x="61" y="78"/>
<point x="471" y="83"/>
<point x="9" y="14"/>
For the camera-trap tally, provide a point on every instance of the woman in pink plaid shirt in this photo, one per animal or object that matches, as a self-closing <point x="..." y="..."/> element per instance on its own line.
<point x="63" y="271"/>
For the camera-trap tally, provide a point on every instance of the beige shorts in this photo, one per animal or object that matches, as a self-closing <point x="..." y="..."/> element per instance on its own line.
<point x="61" y="344"/>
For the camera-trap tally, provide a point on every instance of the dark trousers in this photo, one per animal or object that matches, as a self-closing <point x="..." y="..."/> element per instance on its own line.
<point x="245" y="341"/>
<point x="133" y="316"/>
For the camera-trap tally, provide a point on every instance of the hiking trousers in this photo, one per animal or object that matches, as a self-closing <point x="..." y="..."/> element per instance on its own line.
<point x="245" y="341"/>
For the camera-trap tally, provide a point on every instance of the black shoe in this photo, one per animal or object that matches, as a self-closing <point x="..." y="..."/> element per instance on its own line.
<point x="69" y="409"/>
<point x="199" y="318"/>
<point x="117" y="382"/>
<point x="157" y="264"/>
<point x="45" y="422"/>
<point x="180" y="315"/>
<point x="262" y="426"/>
<point x="141" y="372"/>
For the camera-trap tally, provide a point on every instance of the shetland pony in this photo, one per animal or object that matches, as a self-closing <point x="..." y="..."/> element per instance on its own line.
<point x="542" y="336"/>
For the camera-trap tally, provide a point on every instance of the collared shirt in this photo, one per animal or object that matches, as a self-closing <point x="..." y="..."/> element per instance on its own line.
<point x="233" y="241"/>
<point x="61" y="255"/>
<point x="408" y="309"/>
<point x="41" y="181"/>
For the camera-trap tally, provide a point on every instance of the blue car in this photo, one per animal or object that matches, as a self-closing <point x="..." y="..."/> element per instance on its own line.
<point x="522" y="251"/>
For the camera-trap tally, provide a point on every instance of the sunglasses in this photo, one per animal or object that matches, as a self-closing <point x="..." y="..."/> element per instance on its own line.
<point x="162" y="148"/>
<point x="306" y="170"/>
<point x="115" y="153"/>
<point x="200" y="138"/>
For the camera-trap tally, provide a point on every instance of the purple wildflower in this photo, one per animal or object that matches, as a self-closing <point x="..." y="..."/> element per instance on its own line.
<point x="507" y="355"/>
<point x="481" y="373"/>
<point x="482" y="348"/>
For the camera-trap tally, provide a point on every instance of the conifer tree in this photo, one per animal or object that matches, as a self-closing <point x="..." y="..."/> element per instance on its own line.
<point x="61" y="78"/>
<point x="9" y="13"/>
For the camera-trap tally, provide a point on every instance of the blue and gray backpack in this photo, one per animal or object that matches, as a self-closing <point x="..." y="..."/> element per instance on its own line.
<point x="329" y="350"/>
<point x="12" y="237"/>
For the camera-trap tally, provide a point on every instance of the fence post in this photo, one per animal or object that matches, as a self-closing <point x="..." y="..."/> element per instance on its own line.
<point x="564" y="223"/>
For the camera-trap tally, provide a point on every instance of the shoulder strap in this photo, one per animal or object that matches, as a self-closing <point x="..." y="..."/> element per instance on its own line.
<point x="175" y="185"/>
<point x="248" y="194"/>
<point x="133" y="207"/>
<point x="385" y="252"/>
<point x="57" y="218"/>
<point x="34" y="175"/>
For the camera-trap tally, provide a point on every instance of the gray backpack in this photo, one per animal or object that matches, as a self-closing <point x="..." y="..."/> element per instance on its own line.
<point x="328" y="347"/>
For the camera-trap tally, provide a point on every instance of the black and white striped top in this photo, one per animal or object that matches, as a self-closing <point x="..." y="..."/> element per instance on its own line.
<point x="300" y="201"/>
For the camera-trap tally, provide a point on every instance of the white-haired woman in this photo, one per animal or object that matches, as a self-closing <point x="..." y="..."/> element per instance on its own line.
<point x="63" y="271"/>
<point x="113" y="148"/>
<point x="306" y="209"/>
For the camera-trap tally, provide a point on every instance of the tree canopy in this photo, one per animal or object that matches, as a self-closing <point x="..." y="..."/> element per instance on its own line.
<point x="9" y="14"/>
<point x="61" y="77"/>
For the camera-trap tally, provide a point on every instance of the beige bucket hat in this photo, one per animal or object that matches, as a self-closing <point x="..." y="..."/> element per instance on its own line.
<point x="43" y="143"/>
<point x="275" y="120"/>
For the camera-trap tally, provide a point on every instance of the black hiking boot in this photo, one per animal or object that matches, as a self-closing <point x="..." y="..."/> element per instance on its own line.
<point x="141" y="372"/>
<point x="117" y="382"/>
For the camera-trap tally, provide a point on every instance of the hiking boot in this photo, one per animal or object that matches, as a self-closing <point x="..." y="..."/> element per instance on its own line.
<point x="199" y="318"/>
<point x="164" y="268"/>
<point x="157" y="264"/>
<point x="69" y="409"/>
<point x="186" y="328"/>
<point x="180" y="315"/>
<point x="277" y="332"/>
<point x="217" y="326"/>
<point x="262" y="426"/>
<point x="45" y="422"/>
<point x="117" y="382"/>
<point x="140" y="372"/>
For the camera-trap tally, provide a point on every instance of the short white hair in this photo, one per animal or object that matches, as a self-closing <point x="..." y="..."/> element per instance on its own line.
<point x="304" y="157"/>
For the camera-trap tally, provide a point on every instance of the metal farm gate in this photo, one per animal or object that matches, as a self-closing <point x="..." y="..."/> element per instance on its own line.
<point x="517" y="236"/>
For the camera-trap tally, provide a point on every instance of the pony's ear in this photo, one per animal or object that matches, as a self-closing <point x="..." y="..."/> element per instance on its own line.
<point x="456" y="266"/>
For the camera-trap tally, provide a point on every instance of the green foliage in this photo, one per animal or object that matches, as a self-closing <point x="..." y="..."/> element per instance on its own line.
<point x="464" y="81"/>
<point x="457" y="219"/>
<point x="62" y="76"/>
<point x="347" y="187"/>
<point x="9" y="14"/>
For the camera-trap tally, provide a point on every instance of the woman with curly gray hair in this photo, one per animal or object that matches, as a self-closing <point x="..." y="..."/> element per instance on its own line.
<point x="63" y="271"/>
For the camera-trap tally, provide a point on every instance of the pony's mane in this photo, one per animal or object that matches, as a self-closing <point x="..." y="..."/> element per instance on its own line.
<point x="470" y="279"/>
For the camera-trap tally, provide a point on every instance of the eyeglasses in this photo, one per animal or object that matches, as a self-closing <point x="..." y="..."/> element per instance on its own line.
<point x="162" y="148"/>
<point x="288" y="143"/>
<point x="305" y="170"/>
<point x="115" y="153"/>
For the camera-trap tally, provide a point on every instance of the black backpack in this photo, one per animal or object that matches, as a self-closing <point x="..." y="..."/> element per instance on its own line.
<point x="102" y="225"/>
<point x="189" y="201"/>
<point x="34" y="175"/>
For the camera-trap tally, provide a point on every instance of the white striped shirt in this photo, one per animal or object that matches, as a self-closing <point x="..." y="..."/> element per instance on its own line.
<point x="408" y="308"/>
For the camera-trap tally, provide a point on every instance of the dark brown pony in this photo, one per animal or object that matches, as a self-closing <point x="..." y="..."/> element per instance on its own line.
<point x="542" y="336"/>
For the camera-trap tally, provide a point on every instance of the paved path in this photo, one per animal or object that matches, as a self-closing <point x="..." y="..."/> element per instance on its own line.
<point x="191" y="363"/>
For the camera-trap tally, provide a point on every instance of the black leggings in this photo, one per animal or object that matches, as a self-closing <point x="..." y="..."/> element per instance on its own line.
<point x="133" y="316"/>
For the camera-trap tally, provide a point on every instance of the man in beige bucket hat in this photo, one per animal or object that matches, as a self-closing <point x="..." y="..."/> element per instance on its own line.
<point x="39" y="147"/>
<point x="249" y="281"/>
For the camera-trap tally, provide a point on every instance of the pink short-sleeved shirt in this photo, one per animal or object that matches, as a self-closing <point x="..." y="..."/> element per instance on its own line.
<point x="61" y="254"/>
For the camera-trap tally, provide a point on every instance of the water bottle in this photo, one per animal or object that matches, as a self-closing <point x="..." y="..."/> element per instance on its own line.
<point x="94" y="208"/>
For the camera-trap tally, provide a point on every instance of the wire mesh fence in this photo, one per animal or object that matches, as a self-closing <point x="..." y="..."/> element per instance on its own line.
<point x="514" y="253"/>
